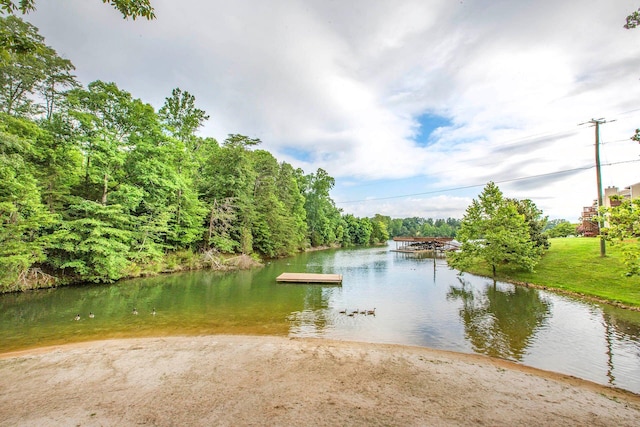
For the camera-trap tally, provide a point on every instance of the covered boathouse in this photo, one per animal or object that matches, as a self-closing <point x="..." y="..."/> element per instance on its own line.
<point x="424" y="244"/>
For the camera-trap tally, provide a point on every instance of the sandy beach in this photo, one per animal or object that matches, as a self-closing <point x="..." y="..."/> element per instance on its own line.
<point x="277" y="381"/>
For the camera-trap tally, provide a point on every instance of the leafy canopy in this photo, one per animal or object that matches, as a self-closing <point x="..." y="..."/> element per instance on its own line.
<point x="495" y="232"/>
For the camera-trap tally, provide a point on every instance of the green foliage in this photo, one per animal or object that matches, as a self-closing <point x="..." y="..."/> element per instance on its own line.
<point x="380" y="231"/>
<point x="493" y="231"/>
<point x="357" y="231"/>
<point x="623" y="224"/>
<point x="22" y="215"/>
<point x="323" y="218"/>
<point x="22" y="66"/>
<point x="633" y="20"/>
<point x="416" y="226"/>
<point x="560" y="228"/>
<point x="535" y="220"/>
<point x="92" y="243"/>
<point x="181" y="116"/>
<point x="128" y="8"/>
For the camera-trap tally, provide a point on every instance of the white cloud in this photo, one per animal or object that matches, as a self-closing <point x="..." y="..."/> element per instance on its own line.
<point x="346" y="82"/>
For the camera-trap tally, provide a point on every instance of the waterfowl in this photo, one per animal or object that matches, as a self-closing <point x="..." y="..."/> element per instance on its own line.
<point x="135" y="311"/>
<point x="351" y="314"/>
<point x="91" y="315"/>
<point x="355" y="311"/>
<point x="343" y="311"/>
<point x="77" y="317"/>
<point x="372" y="312"/>
<point x="153" y="312"/>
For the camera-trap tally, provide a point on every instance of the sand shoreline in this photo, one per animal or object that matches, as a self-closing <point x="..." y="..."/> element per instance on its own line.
<point x="266" y="380"/>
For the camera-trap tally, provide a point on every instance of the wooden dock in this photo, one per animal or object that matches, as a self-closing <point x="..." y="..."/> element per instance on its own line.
<point x="330" y="279"/>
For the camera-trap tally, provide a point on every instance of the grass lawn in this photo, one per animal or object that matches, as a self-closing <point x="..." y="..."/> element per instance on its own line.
<point x="575" y="265"/>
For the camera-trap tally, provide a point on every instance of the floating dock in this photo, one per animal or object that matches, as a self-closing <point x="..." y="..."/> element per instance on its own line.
<point x="331" y="279"/>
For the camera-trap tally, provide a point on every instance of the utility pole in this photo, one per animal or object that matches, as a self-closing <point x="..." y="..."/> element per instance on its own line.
<point x="597" y="123"/>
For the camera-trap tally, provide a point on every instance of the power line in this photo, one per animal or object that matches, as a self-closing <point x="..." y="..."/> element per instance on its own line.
<point x="465" y="187"/>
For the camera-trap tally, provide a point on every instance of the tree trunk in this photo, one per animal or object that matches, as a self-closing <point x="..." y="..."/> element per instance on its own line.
<point x="105" y="189"/>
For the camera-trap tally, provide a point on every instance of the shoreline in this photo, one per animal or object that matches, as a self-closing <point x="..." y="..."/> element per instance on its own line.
<point x="248" y="380"/>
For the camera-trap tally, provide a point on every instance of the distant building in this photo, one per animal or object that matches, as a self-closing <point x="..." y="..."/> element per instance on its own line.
<point x="590" y="227"/>
<point x="631" y="192"/>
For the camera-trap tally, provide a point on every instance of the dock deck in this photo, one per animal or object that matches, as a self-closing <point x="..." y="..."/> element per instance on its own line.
<point x="332" y="279"/>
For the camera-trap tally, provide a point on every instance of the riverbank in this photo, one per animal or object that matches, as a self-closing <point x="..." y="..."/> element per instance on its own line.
<point x="573" y="266"/>
<point x="175" y="262"/>
<point x="247" y="380"/>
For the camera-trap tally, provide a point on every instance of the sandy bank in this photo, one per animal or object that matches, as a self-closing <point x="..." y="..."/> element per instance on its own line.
<point x="243" y="380"/>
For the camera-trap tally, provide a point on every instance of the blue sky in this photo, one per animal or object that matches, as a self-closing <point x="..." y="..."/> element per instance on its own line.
<point x="411" y="105"/>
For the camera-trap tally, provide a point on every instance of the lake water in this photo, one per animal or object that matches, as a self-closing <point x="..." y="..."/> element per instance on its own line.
<point x="417" y="300"/>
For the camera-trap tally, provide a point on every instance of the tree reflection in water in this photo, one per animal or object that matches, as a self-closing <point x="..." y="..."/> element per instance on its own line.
<point x="500" y="323"/>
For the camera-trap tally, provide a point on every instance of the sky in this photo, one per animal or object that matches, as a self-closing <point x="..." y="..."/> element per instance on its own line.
<point x="412" y="106"/>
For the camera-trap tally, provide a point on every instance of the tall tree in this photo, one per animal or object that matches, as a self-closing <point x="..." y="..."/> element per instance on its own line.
<point x="535" y="220"/>
<point x="22" y="215"/>
<point x="21" y="70"/>
<point x="182" y="117"/>
<point x="106" y="117"/>
<point x="230" y="174"/>
<point x="323" y="218"/>
<point x="57" y="79"/>
<point x="289" y="193"/>
<point x="494" y="232"/>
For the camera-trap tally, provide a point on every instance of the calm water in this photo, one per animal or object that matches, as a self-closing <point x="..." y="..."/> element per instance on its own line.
<point x="417" y="301"/>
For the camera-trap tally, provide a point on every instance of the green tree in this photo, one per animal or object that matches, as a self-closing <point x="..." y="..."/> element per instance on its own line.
<point x="57" y="78"/>
<point x="295" y="221"/>
<point x="623" y="225"/>
<point x="181" y="116"/>
<point x="493" y="231"/>
<point x="22" y="215"/>
<point x="535" y="220"/>
<point x="560" y="228"/>
<point x="229" y="175"/>
<point x="182" y="120"/>
<point x="380" y="228"/>
<point x="21" y="71"/>
<point x="93" y="242"/>
<point x="323" y="218"/>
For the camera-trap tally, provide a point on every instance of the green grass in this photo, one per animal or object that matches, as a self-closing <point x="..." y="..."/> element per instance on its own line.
<point x="575" y="265"/>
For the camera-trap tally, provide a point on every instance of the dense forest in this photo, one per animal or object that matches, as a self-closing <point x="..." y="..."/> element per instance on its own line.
<point x="96" y="185"/>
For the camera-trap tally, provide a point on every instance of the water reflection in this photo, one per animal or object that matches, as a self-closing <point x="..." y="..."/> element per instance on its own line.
<point x="500" y="322"/>
<point x="314" y="318"/>
<point x="619" y="332"/>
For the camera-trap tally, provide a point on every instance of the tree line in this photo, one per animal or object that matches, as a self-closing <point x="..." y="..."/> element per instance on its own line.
<point x="96" y="184"/>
